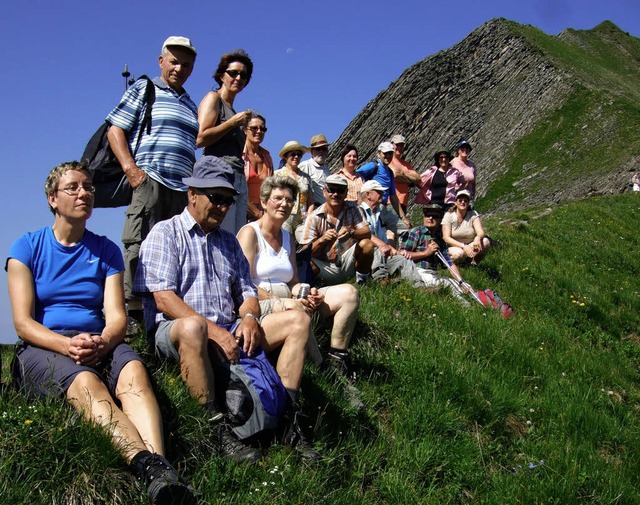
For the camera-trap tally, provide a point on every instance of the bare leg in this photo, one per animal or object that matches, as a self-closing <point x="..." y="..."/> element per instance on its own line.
<point x="139" y="404"/>
<point x="190" y="336"/>
<point x="457" y="254"/>
<point x="341" y="302"/>
<point x="90" y="397"/>
<point x="364" y="256"/>
<point x="290" y="330"/>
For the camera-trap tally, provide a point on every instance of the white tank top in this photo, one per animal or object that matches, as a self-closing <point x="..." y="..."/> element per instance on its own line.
<point x="273" y="269"/>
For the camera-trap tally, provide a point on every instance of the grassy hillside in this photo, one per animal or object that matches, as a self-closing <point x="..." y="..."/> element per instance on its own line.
<point x="461" y="406"/>
<point x="593" y="134"/>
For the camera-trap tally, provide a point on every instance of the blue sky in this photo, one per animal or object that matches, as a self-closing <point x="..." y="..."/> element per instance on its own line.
<point x="317" y="64"/>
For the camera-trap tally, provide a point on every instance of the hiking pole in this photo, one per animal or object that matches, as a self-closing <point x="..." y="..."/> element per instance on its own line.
<point x="125" y="74"/>
<point x="461" y="282"/>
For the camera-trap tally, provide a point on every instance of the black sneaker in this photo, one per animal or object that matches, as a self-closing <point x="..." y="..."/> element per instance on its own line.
<point x="231" y="447"/>
<point x="164" y="485"/>
<point x="293" y="436"/>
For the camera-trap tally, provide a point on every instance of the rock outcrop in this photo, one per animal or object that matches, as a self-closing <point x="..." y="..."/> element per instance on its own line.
<point x="502" y="86"/>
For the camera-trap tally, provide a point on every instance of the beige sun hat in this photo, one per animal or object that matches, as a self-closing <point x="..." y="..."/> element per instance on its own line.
<point x="292" y="145"/>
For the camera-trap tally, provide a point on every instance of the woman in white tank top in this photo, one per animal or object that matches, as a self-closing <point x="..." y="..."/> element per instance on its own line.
<point x="270" y="251"/>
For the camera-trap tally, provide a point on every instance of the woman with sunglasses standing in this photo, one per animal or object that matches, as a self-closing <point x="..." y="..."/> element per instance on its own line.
<point x="438" y="184"/>
<point x="292" y="154"/>
<point x="221" y="130"/>
<point x="258" y="164"/>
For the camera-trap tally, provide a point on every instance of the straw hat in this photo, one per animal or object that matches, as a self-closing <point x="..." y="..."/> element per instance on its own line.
<point x="292" y="145"/>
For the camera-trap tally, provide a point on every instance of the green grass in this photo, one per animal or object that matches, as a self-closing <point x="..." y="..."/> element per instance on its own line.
<point x="461" y="405"/>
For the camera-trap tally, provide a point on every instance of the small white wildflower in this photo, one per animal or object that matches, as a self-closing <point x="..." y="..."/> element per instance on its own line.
<point x="528" y="423"/>
<point x="610" y="393"/>
<point x="532" y="410"/>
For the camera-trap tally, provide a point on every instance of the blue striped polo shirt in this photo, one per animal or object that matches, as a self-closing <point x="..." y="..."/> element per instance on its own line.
<point x="168" y="153"/>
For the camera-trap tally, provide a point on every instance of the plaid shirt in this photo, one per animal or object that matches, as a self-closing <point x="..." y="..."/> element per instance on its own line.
<point x="319" y="222"/>
<point x="208" y="271"/>
<point x="417" y="240"/>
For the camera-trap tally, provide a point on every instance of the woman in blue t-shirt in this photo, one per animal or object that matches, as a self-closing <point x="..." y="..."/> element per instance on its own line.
<point x="67" y="298"/>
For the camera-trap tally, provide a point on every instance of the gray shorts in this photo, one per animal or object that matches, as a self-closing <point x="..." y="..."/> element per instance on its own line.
<point x="47" y="373"/>
<point x="331" y="274"/>
<point x="163" y="345"/>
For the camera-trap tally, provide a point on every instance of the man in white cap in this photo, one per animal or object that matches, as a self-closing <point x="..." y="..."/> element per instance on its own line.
<point x="379" y="170"/>
<point x="156" y="162"/>
<point x="316" y="167"/>
<point x="388" y="261"/>
<point x="339" y="237"/>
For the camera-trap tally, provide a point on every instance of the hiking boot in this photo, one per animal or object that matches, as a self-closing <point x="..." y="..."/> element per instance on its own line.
<point x="337" y="367"/>
<point x="231" y="447"/>
<point x="293" y="436"/>
<point x="135" y="318"/>
<point x="164" y="485"/>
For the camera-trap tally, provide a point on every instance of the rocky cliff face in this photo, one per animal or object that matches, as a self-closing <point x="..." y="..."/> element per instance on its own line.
<point x="494" y="88"/>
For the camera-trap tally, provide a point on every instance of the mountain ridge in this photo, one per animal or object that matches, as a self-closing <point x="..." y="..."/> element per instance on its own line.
<point x="548" y="116"/>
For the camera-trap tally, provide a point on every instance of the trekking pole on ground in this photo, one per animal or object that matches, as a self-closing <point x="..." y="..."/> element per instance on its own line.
<point x="461" y="282"/>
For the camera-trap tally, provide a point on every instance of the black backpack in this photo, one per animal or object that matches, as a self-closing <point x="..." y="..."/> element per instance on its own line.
<point x="112" y="185"/>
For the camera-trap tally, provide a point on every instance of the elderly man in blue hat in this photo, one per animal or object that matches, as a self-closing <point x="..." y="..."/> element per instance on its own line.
<point x="200" y="297"/>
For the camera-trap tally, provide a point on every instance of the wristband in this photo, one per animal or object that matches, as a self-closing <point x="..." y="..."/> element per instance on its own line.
<point x="249" y="314"/>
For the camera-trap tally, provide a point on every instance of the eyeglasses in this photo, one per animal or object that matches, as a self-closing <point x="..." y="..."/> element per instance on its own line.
<point x="443" y="157"/>
<point x="256" y="129"/>
<point x="338" y="190"/>
<point x="321" y="148"/>
<point x="279" y="199"/>
<point x="235" y="73"/>
<point x="74" y="189"/>
<point x="218" y="199"/>
<point x="432" y="216"/>
<point x="462" y="199"/>
<point x="294" y="154"/>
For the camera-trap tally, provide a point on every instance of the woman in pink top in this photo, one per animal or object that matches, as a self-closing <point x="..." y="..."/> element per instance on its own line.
<point x="467" y="168"/>
<point x="258" y="164"/>
<point x="440" y="183"/>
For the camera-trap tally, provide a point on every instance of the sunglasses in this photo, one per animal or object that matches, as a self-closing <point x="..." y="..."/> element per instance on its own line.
<point x="433" y="216"/>
<point x="462" y="199"/>
<point x="218" y="199"/>
<point x="337" y="190"/>
<point x="294" y="154"/>
<point x="235" y="73"/>
<point x="256" y="129"/>
<point x="321" y="148"/>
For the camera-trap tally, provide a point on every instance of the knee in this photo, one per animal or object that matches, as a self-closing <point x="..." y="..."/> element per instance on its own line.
<point x="191" y="334"/>
<point x="133" y="378"/>
<point x="366" y="247"/>
<point x="85" y="384"/>
<point x="299" y="327"/>
<point x="456" y="253"/>
<point x="350" y="296"/>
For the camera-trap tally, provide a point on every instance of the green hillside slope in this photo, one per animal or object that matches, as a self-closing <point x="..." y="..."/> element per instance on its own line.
<point x="461" y="405"/>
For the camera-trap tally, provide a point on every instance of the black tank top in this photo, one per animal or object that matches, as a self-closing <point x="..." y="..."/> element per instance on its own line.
<point x="230" y="146"/>
<point x="438" y="188"/>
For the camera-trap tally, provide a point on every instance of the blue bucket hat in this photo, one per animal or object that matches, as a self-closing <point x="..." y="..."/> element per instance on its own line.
<point x="211" y="172"/>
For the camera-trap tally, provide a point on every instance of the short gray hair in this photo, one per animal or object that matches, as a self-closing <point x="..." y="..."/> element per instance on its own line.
<point x="278" y="182"/>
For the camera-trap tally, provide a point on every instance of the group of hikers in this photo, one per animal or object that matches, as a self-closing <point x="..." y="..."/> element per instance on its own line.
<point x="224" y="257"/>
